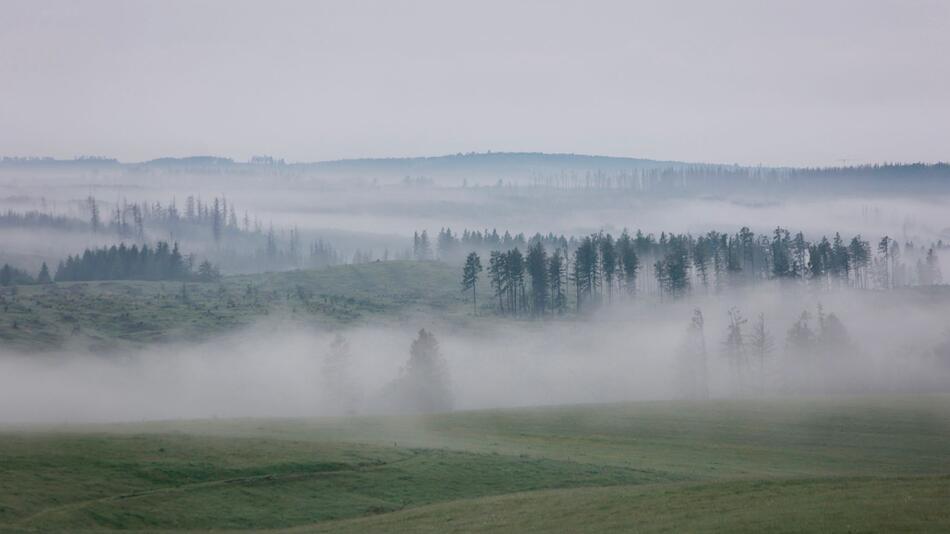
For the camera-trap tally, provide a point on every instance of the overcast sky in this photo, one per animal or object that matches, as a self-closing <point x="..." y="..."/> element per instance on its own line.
<point x="794" y="82"/>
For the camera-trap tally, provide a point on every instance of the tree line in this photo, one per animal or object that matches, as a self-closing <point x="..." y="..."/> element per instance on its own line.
<point x="601" y="268"/>
<point x="813" y="342"/>
<point x="163" y="262"/>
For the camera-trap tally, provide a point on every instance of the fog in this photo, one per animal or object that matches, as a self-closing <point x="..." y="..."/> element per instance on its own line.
<point x="884" y="337"/>
<point x="375" y="210"/>
<point x="896" y="342"/>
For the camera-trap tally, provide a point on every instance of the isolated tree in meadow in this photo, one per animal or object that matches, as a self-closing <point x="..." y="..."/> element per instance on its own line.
<point x="470" y="272"/>
<point x="208" y="272"/>
<point x="423" y="385"/>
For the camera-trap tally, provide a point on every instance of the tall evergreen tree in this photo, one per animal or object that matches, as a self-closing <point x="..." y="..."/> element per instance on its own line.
<point x="44" y="277"/>
<point x="586" y="270"/>
<point x="557" y="277"/>
<point x="608" y="262"/>
<point x="473" y="266"/>
<point x="536" y="263"/>
<point x="629" y="262"/>
<point x="423" y="385"/>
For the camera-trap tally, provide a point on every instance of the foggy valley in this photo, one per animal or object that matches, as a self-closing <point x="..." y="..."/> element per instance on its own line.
<point x="500" y="267"/>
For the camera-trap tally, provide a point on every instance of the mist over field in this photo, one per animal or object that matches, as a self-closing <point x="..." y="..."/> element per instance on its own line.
<point x="429" y="266"/>
<point x="898" y="343"/>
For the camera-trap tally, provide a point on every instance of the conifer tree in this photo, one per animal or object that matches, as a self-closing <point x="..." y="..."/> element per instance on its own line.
<point x="423" y="385"/>
<point x="536" y="264"/>
<point x="557" y="277"/>
<point x="473" y="266"/>
<point x="44" y="277"/>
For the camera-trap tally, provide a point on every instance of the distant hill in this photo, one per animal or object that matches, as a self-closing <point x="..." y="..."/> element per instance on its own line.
<point x="570" y="171"/>
<point x="487" y="161"/>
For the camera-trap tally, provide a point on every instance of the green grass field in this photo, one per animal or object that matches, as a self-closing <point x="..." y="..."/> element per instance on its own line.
<point x="841" y="464"/>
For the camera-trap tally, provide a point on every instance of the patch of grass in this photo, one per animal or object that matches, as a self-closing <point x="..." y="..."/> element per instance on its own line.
<point x="827" y="464"/>
<point x="847" y="505"/>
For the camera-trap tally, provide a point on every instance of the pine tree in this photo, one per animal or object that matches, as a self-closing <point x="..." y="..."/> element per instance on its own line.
<point x="586" y="270"/>
<point x="608" y="262"/>
<point x="884" y="248"/>
<point x="498" y="276"/>
<point x="537" y="267"/>
<point x="800" y="248"/>
<point x="629" y="262"/>
<point x="473" y="266"/>
<point x="423" y="385"/>
<point x="557" y="277"/>
<point x="701" y="260"/>
<point x="43" y="277"/>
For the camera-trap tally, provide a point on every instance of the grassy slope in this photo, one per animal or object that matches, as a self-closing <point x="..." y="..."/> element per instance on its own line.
<point x="828" y="464"/>
<point x="109" y="314"/>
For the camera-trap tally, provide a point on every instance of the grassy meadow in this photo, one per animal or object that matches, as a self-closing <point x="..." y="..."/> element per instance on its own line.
<point x="842" y="464"/>
<point x="114" y="314"/>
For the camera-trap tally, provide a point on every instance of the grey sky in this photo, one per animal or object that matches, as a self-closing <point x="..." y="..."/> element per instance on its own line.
<point x="796" y="82"/>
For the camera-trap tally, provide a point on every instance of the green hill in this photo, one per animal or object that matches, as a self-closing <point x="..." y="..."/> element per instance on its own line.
<point x="110" y="314"/>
